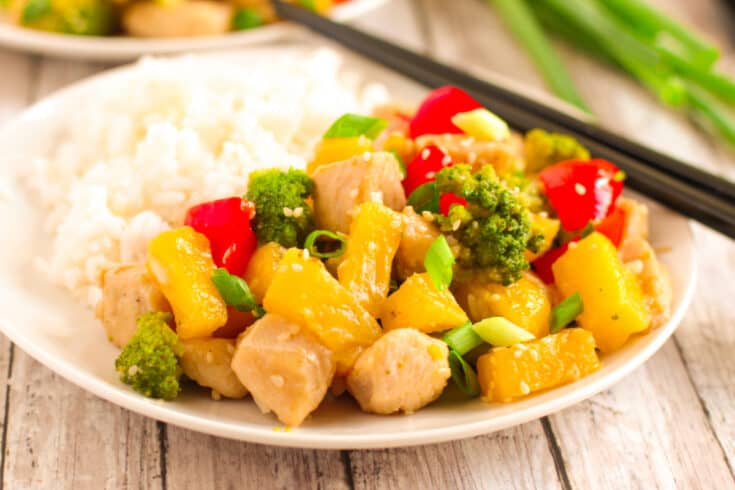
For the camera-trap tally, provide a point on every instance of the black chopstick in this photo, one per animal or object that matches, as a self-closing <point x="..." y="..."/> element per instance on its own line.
<point x="693" y="192"/>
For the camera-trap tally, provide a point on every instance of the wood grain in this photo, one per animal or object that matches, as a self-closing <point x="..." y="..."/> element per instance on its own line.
<point x="59" y="436"/>
<point x="515" y="458"/>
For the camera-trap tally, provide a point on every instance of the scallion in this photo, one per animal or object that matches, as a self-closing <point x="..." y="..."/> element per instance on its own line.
<point x="310" y="244"/>
<point x="565" y="312"/>
<point x="354" y="125"/>
<point x="234" y="290"/>
<point x="425" y="198"/>
<point x="500" y="331"/>
<point x="462" y="339"/>
<point x="463" y="375"/>
<point x="439" y="263"/>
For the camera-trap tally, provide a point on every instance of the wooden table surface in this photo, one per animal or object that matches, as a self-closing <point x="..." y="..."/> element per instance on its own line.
<point x="670" y="424"/>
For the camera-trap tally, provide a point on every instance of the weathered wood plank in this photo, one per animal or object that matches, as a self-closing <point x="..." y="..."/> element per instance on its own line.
<point x="513" y="458"/>
<point x="198" y="461"/>
<point x="59" y="436"/>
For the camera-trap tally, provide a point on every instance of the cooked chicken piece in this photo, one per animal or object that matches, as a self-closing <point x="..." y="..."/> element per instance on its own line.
<point x="341" y="186"/>
<point x="128" y="291"/>
<point x="504" y="156"/>
<point x="208" y="362"/>
<point x="418" y="235"/>
<point x="638" y="255"/>
<point x="404" y="370"/>
<point x="635" y="230"/>
<point x="177" y="19"/>
<point x="284" y="367"/>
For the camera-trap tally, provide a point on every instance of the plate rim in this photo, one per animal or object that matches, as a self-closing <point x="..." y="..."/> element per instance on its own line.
<point x="122" y="48"/>
<point x="160" y="411"/>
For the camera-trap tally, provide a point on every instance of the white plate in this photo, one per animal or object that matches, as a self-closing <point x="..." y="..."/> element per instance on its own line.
<point x="32" y="310"/>
<point x="120" y="48"/>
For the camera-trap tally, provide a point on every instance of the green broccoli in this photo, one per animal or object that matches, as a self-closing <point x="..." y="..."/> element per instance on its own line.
<point x="542" y="149"/>
<point x="149" y="363"/>
<point x="81" y="17"/>
<point x="281" y="212"/>
<point x="494" y="229"/>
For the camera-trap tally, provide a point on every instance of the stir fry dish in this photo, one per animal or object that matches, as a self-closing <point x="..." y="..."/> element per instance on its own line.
<point x="420" y="249"/>
<point x="146" y="18"/>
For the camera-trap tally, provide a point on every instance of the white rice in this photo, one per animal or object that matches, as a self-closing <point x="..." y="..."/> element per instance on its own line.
<point x="137" y="153"/>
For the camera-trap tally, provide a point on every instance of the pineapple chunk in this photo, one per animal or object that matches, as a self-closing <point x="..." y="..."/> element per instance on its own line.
<point x="305" y="293"/>
<point x="418" y="304"/>
<point x="181" y="263"/>
<point x="262" y="267"/>
<point x="526" y="302"/>
<point x="507" y="373"/>
<point x="337" y="149"/>
<point x="365" y="269"/>
<point x="614" y="307"/>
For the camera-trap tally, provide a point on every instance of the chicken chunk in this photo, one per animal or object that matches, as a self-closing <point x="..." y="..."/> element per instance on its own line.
<point x="403" y="371"/>
<point x="638" y="255"/>
<point x="208" y="362"/>
<point x="284" y="367"/>
<point x="177" y="19"/>
<point x="341" y="186"/>
<point x="128" y="291"/>
<point x="504" y="156"/>
<point x="418" y="235"/>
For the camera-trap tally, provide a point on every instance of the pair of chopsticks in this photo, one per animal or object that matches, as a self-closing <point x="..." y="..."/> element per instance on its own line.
<point x="693" y="192"/>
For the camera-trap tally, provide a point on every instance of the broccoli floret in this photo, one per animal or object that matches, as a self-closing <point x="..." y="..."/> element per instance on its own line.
<point x="81" y="17"/>
<point x="281" y="212"/>
<point x="493" y="230"/>
<point x="542" y="149"/>
<point x="149" y="363"/>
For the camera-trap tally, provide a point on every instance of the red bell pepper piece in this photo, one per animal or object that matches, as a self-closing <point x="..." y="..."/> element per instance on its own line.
<point x="424" y="166"/>
<point x="226" y="223"/>
<point x="434" y="115"/>
<point x="446" y="201"/>
<point x="612" y="226"/>
<point x="582" y="191"/>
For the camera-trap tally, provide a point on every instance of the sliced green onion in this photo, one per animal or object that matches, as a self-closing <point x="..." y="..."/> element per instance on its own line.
<point x="234" y="290"/>
<point x="400" y="161"/>
<point x="354" y="125"/>
<point x="425" y="198"/>
<point x="246" y="18"/>
<point x="439" y="263"/>
<point x="587" y="230"/>
<point x="462" y="339"/>
<point x="565" y="312"/>
<point x="310" y="244"/>
<point x="35" y="10"/>
<point x="502" y="332"/>
<point x="463" y="375"/>
<point x="482" y="124"/>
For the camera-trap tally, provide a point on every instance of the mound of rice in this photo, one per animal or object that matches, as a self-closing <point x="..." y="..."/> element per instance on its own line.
<point x="143" y="149"/>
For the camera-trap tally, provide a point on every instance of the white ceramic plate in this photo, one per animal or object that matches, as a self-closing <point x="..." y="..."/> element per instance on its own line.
<point x="121" y="48"/>
<point x="45" y="321"/>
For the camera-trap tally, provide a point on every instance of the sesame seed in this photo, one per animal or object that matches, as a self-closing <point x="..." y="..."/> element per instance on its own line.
<point x="366" y="156"/>
<point x="277" y="380"/>
<point x="132" y="370"/>
<point x="580" y="189"/>
<point x="524" y="388"/>
<point x="427" y="216"/>
<point x="456" y="224"/>
<point x="534" y="355"/>
<point x="353" y="193"/>
<point x="298" y="212"/>
<point x="430" y="175"/>
<point x="495" y="297"/>
<point x="572" y="244"/>
<point x="297" y="267"/>
<point x="216" y="396"/>
<point x="209" y="357"/>
<point x="305" y="254"/>
<point x="517" y="354"/>
<point x="372" y="246"/>
<point x="425" y="153"/>
<point x="376" y="196"/>
<point x="467" y="142"/>
<point x="447" y="160"/>
<point x="288" y="212"/>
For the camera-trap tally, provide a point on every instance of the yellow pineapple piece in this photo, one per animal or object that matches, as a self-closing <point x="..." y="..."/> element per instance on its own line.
<point x="507" y="373"/>
<point x="418" y="304"/>
<point x="181" y="263"/>
<point x="262" y="267"/>
<point x="304" y="292"/>
<point x="372" y="243"/>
